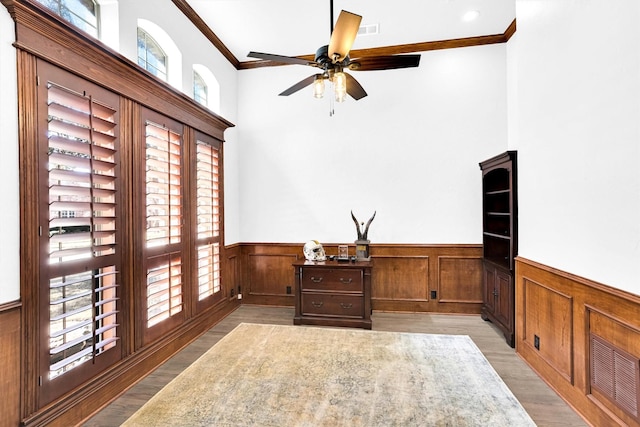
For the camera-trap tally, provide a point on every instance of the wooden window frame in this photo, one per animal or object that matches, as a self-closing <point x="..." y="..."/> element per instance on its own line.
<point x="43" y="38"/>
<point x="170" y="258"/>
<point x="55" y="271"/>
<point x="215" y="238"/>
<point x="143" y="36"/>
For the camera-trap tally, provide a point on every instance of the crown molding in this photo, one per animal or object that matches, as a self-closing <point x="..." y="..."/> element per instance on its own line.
<point x="404" y="48"/>
<point x="199" y="23"/>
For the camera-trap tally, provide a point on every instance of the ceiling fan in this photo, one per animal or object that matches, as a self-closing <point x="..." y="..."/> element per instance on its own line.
<point x="333" y="59"/>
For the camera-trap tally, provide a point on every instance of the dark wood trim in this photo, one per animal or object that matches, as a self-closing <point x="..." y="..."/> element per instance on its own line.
<point x="563" y="310"/>
<point x="199" y="23"/>
<point x="10" y="336"/>
<point x="11" y="305"/>
<point x="510" y="31"/>
<point x="48" y="37"/>
<point x="403" y="48"/>
<point x="29" y="240"/>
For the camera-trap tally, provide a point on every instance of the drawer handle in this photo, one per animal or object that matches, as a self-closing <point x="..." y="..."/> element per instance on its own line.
<point x="345" y="305"/>
<point x="317" y="304"/>
<point x="345" y="281"/>
<point x="316" y="279"/>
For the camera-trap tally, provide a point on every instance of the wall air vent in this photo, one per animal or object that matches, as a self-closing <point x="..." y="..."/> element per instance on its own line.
<point x="369" y="29"/>
<point x="615" y="374"/>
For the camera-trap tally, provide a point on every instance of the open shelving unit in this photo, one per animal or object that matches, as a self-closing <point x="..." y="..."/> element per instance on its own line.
<point x="499" y="239"/>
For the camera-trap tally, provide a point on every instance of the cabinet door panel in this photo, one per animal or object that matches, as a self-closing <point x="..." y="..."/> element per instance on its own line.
<point x="504" y="305"/>
<point x="489" y="288"/>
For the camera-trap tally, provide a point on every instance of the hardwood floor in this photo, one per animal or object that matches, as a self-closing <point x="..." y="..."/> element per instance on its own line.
<point x="543" y="405"/>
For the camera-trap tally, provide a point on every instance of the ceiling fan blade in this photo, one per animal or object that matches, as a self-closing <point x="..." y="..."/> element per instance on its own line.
<point x="300" y="85"/>
<point x="343" y="36"/>
<point x="354" y="89"/>
<point x="388" y="62"/>
<point x="281" y="58"/>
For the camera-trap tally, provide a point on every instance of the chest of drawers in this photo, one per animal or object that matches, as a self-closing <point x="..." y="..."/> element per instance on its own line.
<point x="333" y="294"/>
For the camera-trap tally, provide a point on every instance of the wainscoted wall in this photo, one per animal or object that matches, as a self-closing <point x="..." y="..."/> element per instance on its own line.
<point x="583" y="339"/>
<point x="417" y="278"/>
<point x="10" y="366"/>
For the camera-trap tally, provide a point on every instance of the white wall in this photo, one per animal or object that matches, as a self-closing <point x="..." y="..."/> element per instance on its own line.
<point x="577" y="109"/>
<point x="410" y="151"/>
<point x="10" y="213"/>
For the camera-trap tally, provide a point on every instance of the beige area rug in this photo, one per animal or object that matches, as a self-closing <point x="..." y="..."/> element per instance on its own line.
<point x="268" y="375"/>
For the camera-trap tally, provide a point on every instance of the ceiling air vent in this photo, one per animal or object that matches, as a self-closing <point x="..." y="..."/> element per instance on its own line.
<point x="369" y="30"/>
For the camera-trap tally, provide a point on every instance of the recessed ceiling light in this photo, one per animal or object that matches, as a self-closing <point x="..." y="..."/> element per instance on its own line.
<point x="471" y="15"/>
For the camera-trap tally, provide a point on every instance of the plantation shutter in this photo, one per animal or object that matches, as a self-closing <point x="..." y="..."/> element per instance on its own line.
<point x="164" y="223"/>
<point x="80" y="274"/>
<point x="208" y="218"/>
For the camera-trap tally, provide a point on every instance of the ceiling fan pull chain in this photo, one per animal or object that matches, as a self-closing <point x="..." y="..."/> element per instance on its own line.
<point x="332" y="111"/>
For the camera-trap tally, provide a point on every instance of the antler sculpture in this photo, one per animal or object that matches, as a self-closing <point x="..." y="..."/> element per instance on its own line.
<point x="361" y="235"/>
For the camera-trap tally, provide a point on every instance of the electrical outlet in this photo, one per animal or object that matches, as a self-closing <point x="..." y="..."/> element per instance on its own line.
<point x="288" y="290"/>
<point x="233" y="292"/>
<point x="434" y="294"/>
<point x="536" y="342"/>
<point x="239" y="296"/>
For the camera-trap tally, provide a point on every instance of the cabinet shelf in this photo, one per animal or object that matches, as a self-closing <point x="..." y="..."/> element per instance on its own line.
<point x="497" y="236"/>
<point x="499" y="214"/>
<point x="494" y="192"/>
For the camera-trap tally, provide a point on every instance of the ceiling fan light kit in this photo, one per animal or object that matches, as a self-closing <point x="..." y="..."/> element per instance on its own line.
<point x="333" y="59"/>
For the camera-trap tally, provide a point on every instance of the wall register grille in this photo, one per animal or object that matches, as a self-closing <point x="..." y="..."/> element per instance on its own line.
<point x="615" y="374"/>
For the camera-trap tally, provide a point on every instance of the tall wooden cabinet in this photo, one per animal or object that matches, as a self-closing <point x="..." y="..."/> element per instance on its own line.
<point x="500" y="241"/>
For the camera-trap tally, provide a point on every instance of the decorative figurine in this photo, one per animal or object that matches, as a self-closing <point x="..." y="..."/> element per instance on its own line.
<point x="362" y="244"/>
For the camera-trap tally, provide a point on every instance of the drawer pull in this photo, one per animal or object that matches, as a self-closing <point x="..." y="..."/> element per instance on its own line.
<point x="345" y="281"/>
<point x="316" y="279"/>
<point x="345" y="305"/>
<point x="317" y="304"/>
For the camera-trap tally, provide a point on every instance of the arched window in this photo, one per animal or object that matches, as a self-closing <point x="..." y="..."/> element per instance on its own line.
<point x="159" y="54"/>
<point x="151" y="57"/>
<point x="200" y="89"/>
<point x="81" y="13"/>
<point x="203" y="76"/>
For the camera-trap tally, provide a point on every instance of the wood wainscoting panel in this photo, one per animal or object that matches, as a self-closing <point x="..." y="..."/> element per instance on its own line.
<point x="270" y="274"/>
<point x="548" y="326"/>
<point x="266" y="272"/>
<point x="566" y="312"/>
<point x="10" y="366"/>
<point x="406" y="277"/>
<point x="400" y="278"/>
<point x="231" y="278"/>
<point x="460" y="279"/>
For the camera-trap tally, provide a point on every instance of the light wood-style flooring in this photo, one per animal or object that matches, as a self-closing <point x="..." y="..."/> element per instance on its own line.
<point x="543" y="405"/>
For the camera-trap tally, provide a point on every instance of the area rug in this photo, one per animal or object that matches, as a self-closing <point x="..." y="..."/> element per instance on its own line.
<point x="268" y="375"/>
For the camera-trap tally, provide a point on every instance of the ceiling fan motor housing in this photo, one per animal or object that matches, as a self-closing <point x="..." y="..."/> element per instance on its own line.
<point x="322" y="55"/>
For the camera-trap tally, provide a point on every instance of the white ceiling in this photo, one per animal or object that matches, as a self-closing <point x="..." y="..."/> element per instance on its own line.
<point x="299" y="27"/>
